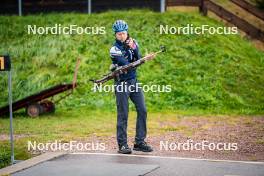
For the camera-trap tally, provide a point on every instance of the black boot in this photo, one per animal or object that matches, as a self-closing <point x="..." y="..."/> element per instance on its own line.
<point x="143" y="146"/>
<point x="124" y="149"/>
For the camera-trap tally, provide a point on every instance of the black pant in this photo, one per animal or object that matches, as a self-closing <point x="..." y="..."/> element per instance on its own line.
<point x="137" y="98"/>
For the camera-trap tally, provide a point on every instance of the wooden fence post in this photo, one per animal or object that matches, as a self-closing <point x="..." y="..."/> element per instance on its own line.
<point x="202" y="8"/>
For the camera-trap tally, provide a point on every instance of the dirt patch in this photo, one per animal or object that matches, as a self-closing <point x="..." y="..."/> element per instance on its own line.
<point x="246" y="132"/>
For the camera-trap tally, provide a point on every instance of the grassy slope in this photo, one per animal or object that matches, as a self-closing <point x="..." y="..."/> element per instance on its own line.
<point x="211" y="73"/>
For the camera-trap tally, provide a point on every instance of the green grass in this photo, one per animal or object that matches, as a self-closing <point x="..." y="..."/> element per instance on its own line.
<point x="214" y="73"/>
<point x="62" y="126"/>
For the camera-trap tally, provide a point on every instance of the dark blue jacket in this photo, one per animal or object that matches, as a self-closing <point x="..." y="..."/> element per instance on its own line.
<point x="122" y="55"/>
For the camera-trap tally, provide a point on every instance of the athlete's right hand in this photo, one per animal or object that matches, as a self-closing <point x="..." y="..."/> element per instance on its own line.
<point x="150" y="56"/>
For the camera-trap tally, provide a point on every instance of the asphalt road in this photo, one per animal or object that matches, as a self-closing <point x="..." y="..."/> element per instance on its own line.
<point x="119" y="165"/>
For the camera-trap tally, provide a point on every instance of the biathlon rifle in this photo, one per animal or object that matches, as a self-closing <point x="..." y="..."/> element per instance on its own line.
<point x="124" y="69"/>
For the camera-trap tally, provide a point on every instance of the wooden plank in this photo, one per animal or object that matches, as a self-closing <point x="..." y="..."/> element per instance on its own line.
<point x="9" y="7"/>
<point x="194" y="3"/>
<point x="37" y="6"/>
<point x="103" y="5"/>
<point x="231" y="18"/>
<point x="250" y="8"/>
